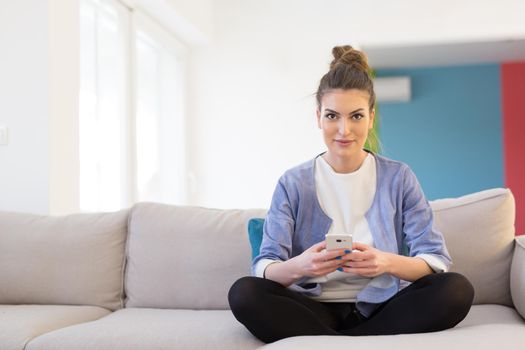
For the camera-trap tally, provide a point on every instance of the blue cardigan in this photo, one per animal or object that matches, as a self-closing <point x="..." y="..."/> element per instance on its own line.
<point x="399" y="215"/>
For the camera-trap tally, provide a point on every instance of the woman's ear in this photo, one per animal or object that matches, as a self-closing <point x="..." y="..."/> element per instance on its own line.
<point x="318" y="113"/>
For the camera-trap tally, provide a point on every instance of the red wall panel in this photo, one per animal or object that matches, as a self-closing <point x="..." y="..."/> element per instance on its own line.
<point x="513" y="104"/>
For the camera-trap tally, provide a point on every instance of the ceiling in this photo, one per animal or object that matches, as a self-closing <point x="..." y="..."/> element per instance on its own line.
<point x="445" y="54"/>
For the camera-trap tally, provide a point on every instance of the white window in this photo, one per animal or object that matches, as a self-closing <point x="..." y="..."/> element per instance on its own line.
<point x="131" y="111"/>
<point x="159" y="108"/>
<point x="103" y="100"/>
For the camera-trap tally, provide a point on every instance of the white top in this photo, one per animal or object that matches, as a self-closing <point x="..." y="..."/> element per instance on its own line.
<point x="345" y="198"/>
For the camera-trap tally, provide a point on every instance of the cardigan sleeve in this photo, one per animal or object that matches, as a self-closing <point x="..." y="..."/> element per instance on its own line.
<point x="422" y="239"/>
<point x="278" y="230"/>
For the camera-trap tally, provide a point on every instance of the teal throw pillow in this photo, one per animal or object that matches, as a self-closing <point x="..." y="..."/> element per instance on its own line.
<point x="255" y="234"/>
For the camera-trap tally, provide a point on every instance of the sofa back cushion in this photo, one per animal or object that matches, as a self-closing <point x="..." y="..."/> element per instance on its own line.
<point x="479" y="233"/>
<point x="185" y="257"/>
<point x="75" y="259"/>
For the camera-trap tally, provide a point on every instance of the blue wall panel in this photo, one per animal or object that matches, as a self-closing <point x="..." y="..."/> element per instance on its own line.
<point x="450" y="133"/>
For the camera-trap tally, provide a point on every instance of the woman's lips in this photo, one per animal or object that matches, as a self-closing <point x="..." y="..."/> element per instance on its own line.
<point x="344" y="142"/>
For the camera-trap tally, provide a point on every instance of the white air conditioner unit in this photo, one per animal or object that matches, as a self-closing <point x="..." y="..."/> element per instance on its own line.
<point x="392" y="89"/>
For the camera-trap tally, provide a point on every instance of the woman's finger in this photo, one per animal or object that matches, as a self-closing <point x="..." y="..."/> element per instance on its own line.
<point x="360" y="246"/>
<point x="366" y="255"/>
<point x="328" y="255"/>
<point x="360" y="264"/>
<point x="358" y="256"/>
<point x="318" y="247"/>
<point x="329" y="269"/>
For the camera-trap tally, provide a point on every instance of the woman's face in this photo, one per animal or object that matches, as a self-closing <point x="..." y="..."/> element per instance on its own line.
<point x="345" y="119"/>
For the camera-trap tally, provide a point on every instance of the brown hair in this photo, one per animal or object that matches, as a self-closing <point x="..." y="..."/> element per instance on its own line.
<point x="349" y="70"/>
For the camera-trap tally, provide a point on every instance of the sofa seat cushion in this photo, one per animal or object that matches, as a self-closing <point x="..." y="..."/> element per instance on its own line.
<point x="152" y="329"/>
<point x="491" y="314"/>
<point x="21" y="323"/>
<point x="486" y="327"/>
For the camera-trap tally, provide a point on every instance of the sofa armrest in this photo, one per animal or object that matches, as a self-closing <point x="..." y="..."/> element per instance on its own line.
<point x="517" y="275"/>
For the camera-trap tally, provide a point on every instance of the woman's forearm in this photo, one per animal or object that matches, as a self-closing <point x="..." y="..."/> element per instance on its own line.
<point x="408" y="268"/>
<point x="283" y="272"/>
<point x="405" y="268"/>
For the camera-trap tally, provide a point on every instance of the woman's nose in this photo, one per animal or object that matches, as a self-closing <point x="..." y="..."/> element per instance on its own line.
<point x="344" y="126"/>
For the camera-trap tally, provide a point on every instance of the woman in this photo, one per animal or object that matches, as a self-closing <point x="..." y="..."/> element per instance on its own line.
<point x="299" y="287"/>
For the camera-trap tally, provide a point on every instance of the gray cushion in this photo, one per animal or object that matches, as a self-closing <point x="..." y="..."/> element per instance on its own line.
<point x="73" y="259"/>
<point x="495" y="327"/>
<point x="21" y="323"/>
<point x="152" y="329"/>
<point x="479" y="233"/>
<point x="185" y="257"/>
<point x="489" y="314"/>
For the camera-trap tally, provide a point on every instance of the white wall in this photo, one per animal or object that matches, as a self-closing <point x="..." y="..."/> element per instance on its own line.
<point x="38" y="105"/>
<point x="251" y="114"/>
<point x="191" y="20"/>
<point x="24" y="106"/>
<point x="64" y="82"/>
<point x="198" y="14"/>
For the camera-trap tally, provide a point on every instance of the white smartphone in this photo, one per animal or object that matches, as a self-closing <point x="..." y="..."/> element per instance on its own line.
<point x="338" y="241"/>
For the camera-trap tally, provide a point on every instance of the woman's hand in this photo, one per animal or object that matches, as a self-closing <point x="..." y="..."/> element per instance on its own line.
<point x="371" y="262"/>
<point x="367" y="261"/>
<point x="315" y="261"/>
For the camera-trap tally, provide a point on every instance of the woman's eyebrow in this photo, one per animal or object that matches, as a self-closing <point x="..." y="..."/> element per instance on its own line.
<point x="334" y="112"/>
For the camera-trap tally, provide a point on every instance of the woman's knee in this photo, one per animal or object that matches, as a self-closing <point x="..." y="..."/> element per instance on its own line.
<point x="449" y="284"/>
<point x="449" y="297"/>
<point x="244" y="293"/>
<point x="457" y="294"/>
<point x="460" y="290"/>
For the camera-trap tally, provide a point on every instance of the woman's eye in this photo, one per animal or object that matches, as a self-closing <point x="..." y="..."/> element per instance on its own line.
<point x="358" y="116"/>
<point x="330" y="116"/>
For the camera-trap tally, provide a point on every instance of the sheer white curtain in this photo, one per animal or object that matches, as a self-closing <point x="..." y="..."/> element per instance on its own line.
<point x="131" y="112"/>
<point x="103" y="105"/>
<point x="160" y="142"/>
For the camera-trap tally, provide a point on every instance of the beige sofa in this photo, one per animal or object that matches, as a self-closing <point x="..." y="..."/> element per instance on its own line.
<point x="156" y="276"/>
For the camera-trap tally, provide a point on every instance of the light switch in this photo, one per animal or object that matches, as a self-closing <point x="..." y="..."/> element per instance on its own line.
<point x="3" y="135"/>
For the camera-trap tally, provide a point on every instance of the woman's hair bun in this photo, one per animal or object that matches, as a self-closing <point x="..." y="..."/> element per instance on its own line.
<point x="348" y="55"/>
<point x="349" y="70"/>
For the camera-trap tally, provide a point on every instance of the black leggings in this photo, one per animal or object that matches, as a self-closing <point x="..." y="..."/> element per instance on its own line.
<point x="272" y="312"/>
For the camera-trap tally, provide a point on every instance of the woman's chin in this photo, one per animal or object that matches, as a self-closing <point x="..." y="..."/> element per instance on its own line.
<point x="346" y="153"/>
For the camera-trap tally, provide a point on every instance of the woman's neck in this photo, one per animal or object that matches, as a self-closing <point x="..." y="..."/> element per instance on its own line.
<point x="345" y="165"/>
